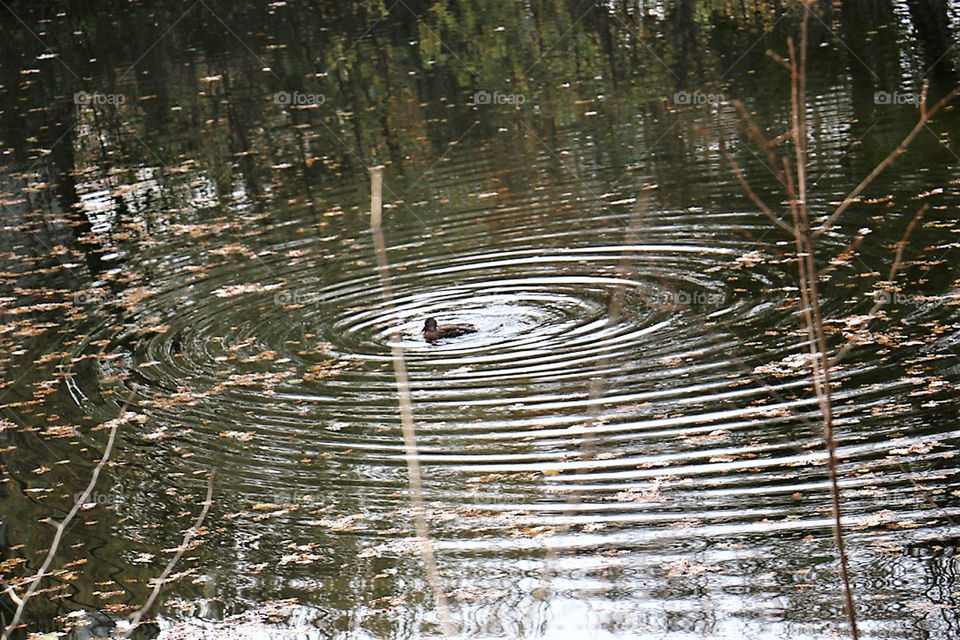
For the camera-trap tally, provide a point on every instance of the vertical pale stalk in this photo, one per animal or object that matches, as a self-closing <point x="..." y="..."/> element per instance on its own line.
<point x="406" y="409"/>
<point x="614" y="313"/>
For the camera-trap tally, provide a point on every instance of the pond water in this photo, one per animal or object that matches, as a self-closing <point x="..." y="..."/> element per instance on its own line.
<point x="628" y="446"/>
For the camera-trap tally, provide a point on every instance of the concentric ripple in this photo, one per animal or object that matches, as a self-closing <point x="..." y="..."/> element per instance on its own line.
<point x="631" y="383"/>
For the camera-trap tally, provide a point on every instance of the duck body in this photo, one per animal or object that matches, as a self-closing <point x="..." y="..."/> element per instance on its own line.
<point x="433" y="332"/>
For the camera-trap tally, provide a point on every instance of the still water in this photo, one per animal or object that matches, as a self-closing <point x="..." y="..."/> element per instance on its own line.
<point x="627" y="447"/>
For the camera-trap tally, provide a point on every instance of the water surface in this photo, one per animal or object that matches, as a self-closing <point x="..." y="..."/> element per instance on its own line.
<point x="627" y="447"/>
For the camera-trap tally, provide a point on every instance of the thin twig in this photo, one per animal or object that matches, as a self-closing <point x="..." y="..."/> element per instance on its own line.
<point x="806" y="318"/>
<point x="751" y="194"/>
<point x="816" y="330"/>
<point x="811" y="317"/>
<point x="812" y="320"/>
<point x="798" y="103"/>
<point x="749" y="125"/>
<point x="879" y="301"/>
<point x="62" y="526"/>
<point x="779" y="59"/>
<point x="845" y="254"/>
<point x="191" y="532"/>
<point x="822" y="376"/>
<point x="753" y="130"/>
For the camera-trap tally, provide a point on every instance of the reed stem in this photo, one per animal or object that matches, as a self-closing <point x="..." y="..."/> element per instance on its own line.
<point x="411" y="454"/>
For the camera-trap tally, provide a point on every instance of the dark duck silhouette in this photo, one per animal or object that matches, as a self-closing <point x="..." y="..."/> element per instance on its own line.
<point x="432" y="331"/>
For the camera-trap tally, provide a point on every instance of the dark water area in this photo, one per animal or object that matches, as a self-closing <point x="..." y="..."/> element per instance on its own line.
<point x="628" y="446"/>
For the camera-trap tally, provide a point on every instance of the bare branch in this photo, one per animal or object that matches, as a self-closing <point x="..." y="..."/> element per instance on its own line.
<point x="748" y="126"/>
<point x="798" y="104"/>
<point x="191" y="532"/>
<point x="846" y="254"/>
<point x="767" y="211"/>
<point x="925" y="116"/>
<point x="34" y="582"/>
<point x="8" y="589"/>
<point x="880" y="301"/>
<point x="778" y="58"/>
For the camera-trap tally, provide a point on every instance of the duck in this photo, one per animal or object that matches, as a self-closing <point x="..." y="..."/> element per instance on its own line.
<point x="432" y="331"/>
